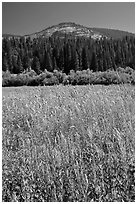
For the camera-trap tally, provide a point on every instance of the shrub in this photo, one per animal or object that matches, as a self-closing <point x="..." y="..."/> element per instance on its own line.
<point x="84" y="77"/>
<point x="129" y="70"/>
<point x="50" y="81"/>
<point x="72" y="79"/>
<point x="81" y="77"/>
<point x="65" y="80"/>
<point x="5" y="82"/>
<point x="11" y="81"/>
<point x="31" y="73"/>
<point x="124" y="78"/>
<point x="101" y="79"/>
<point x="132" y="78"/>
<point x="60" y="76"/>
<point x="112" y="77"/>
<point x="34" y="81"/>
<point x="41" y="77"/>
<point x="6" y="74"/>
<point x="48" y="74"/>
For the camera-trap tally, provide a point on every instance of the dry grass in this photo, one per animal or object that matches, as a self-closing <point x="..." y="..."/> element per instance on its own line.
<point x="69" y="143"/>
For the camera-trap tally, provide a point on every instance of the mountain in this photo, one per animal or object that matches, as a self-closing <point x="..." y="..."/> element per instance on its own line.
<point x="68" y="28"/>
<point x="112" y="33"/>
<point x="76" y="30"/>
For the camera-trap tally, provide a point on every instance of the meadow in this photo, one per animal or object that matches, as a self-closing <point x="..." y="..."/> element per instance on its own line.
<point x="68" y="143"/>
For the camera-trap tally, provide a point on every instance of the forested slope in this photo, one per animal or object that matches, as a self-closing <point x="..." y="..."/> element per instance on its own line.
<point x="63" y="54"/>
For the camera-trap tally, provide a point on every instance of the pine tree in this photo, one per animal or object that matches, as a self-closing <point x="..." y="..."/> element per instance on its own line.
<point x="26" y="63"/>
<point x="100" y="57"/>
<point x="61" y="61"/>
<point x="118" y="58"/>
<point x="85" y="64"/>
<point x="80" y="60"/>
<point x="9" y="52"/>
<point x="14" y="64"/>
<point x="55" y="67"/>
<point x="104" y="61"/>
<point x="94" y="62"/>
<point x="100" y="65"/>
<point x="19" y="65"/>
<point x="5" y="66"/>
<point x="36" y="65"/>
<point x="47" y="63"/>
<point x="76" y="61"/>
<point x="68" y="59"/>
<point x="109" y="61"/>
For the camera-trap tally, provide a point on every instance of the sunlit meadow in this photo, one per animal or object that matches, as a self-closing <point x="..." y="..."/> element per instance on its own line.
<point x="68" y="143"/>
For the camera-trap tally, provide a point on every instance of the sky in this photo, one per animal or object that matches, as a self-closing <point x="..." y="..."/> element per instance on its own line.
<point x="23" y="18"/>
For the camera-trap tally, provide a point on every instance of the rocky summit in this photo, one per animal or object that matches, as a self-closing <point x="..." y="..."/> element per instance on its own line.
<point x="75" y="30"/>
<point x="63" y="29"/>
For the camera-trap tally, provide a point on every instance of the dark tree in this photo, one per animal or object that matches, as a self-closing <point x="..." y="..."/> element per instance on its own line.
<point x="5" y="66"/>
<point x="19" y="65"/>
<point x="85" y="64"/>
<point x="94" y="62"/>
<point x="26" y="63"/>
<point x="14" y="64"/>
<point x="36" y="65"/>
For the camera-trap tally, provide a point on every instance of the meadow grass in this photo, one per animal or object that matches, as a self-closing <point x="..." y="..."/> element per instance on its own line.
<point x="68" y="143"/>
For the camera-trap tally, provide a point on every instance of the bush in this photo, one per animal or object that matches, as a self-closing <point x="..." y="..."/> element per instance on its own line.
<point x="101" y="78"/>
<point x="41" y="77"/>
<point x="12" y="81"/>
<point x="124" y="78"/>
<point x="112" y="77"/>
<point x="129" y="70"/>
<point x="120" y="69"/>
<point x="81" y="77"/>
<point x="6" y="74"/>
<point x="60" y="76"/>
<point x="33" y="81"/>
<point x="84" y="77"/>
<point x="48" y="74"/>
<point x="50" y="81"/>
<point x="5" y="82"/>
<point x="133" y="78"/>
<point x="31" y="73"/>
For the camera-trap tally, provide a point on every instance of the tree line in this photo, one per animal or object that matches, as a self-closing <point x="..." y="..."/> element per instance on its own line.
<point x="21" y="55"/>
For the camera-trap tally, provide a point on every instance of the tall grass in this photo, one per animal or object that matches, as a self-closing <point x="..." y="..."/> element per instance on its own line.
<point x="68" y="143"/>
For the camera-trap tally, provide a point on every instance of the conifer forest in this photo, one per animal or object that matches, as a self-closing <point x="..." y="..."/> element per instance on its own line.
<point x="64" y="56"/>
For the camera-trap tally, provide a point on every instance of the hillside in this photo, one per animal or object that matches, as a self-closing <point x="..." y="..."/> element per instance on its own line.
<point x="76" y="30"/>
<point x="67" y="28"/>
<point x="112" y="33"/>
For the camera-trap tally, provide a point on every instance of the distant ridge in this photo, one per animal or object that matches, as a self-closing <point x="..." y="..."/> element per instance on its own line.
<point x="113" y="33"/>
<point x="75" y="30"/>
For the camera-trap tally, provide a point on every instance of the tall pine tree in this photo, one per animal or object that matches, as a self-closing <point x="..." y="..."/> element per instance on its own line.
<point x="36" y="65"/>
<point x="19" y="65"/>
<point x="85" y="63"/>
<point x="5" y="66"/>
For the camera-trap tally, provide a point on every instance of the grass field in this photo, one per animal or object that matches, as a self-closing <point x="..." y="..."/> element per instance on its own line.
<point x="68" y="143"/>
